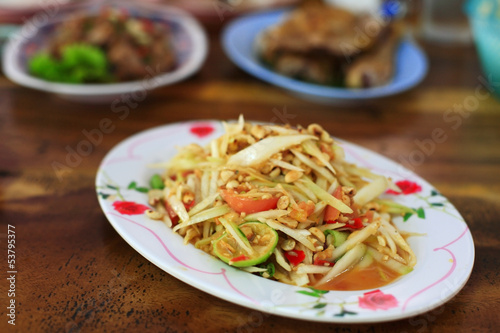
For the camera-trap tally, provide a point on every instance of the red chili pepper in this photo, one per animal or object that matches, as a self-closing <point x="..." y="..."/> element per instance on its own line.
<point x="189" y="205"/>
<point x="295" y="257"/>
<point x="172" y="214"/>
<point x="356" y="225"/>
<point x="239" y="258"/>
<point x="321" y="262"/>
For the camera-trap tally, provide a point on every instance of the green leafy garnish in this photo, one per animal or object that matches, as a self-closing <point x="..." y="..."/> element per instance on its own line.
<point x="79" y="63"/>
<point x="156" y="182"/>
<point x="270" y="270"/>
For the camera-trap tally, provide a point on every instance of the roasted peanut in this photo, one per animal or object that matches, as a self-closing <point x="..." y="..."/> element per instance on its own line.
<point x="187" y="197"/>
<point x="283" y="202"/>
<point x="373" y="206"/>
<point x="325" y="254"/>
<point x="154" y="196"/>
<point x="317" y="244"/>
<point x="258" y="132"/>
<point x="342" y="219"/>
<point x="293" y="175"/>
<point x="288" y="157"/>
<point x="288" y="245"/>
<point x="318" y="131"/>
<point x="289" y="222"/>
<point x="268" y="167"/>
<point x="318" y="234"/>
<point x="232" y="184"/>
<point x="275" y="173"/>
<point x="350" y="191"/>
<point x="154" y="215"/>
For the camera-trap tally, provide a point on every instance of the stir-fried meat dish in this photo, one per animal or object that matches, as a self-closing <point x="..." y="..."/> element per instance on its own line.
<point x="135" y="47"/>
<point x="331" y="46"/>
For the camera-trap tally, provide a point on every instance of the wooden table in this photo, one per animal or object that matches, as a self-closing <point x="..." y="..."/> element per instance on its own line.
<point x="76" y="274"/>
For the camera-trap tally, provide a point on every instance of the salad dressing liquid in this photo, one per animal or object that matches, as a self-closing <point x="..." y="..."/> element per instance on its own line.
<point x="373" y="276"/>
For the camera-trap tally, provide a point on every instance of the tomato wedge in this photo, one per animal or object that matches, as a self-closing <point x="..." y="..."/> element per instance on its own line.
<point x="173" y="215"/>
<point x="303" y="211"/>
<point x="332" y="213"/>
<point x="242" y="204"/>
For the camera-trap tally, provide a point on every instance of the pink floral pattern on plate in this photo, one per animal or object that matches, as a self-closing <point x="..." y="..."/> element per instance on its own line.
<point x="202" y="130"/>
<point x="406" y="187"/>
<point x="377" y="300"/>
<point x="129" y="208"/>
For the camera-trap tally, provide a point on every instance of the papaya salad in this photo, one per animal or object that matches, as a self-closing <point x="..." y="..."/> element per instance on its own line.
<point x="284" y="203"/>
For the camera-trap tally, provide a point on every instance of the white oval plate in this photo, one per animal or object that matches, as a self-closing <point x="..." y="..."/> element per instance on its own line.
<point x="445" y="250"/>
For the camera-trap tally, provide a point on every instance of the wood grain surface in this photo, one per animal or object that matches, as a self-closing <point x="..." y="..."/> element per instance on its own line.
<point x="76" y="274"/>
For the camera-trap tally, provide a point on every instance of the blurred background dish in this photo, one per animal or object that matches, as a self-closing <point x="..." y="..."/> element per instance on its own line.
<point x="220" y="10"/>
<point x="6" y="30"/>
<point x="332" y="46"/>
<point x="13" y="13"/>
<point x="239" y="42"/>
<point x="19" y="5"/>
<point x="109" y="46"/>
<point x="186" y="36"/>
<point x="18" y="11"/>
<point x="444" y="21"/>
<point x="484" y="16"/>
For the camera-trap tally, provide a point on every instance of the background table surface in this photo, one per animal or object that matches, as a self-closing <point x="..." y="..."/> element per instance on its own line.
<point x="76" y="274"/>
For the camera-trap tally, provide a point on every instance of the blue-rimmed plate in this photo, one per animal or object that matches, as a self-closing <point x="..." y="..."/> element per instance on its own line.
<point x="239" y="44"/>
